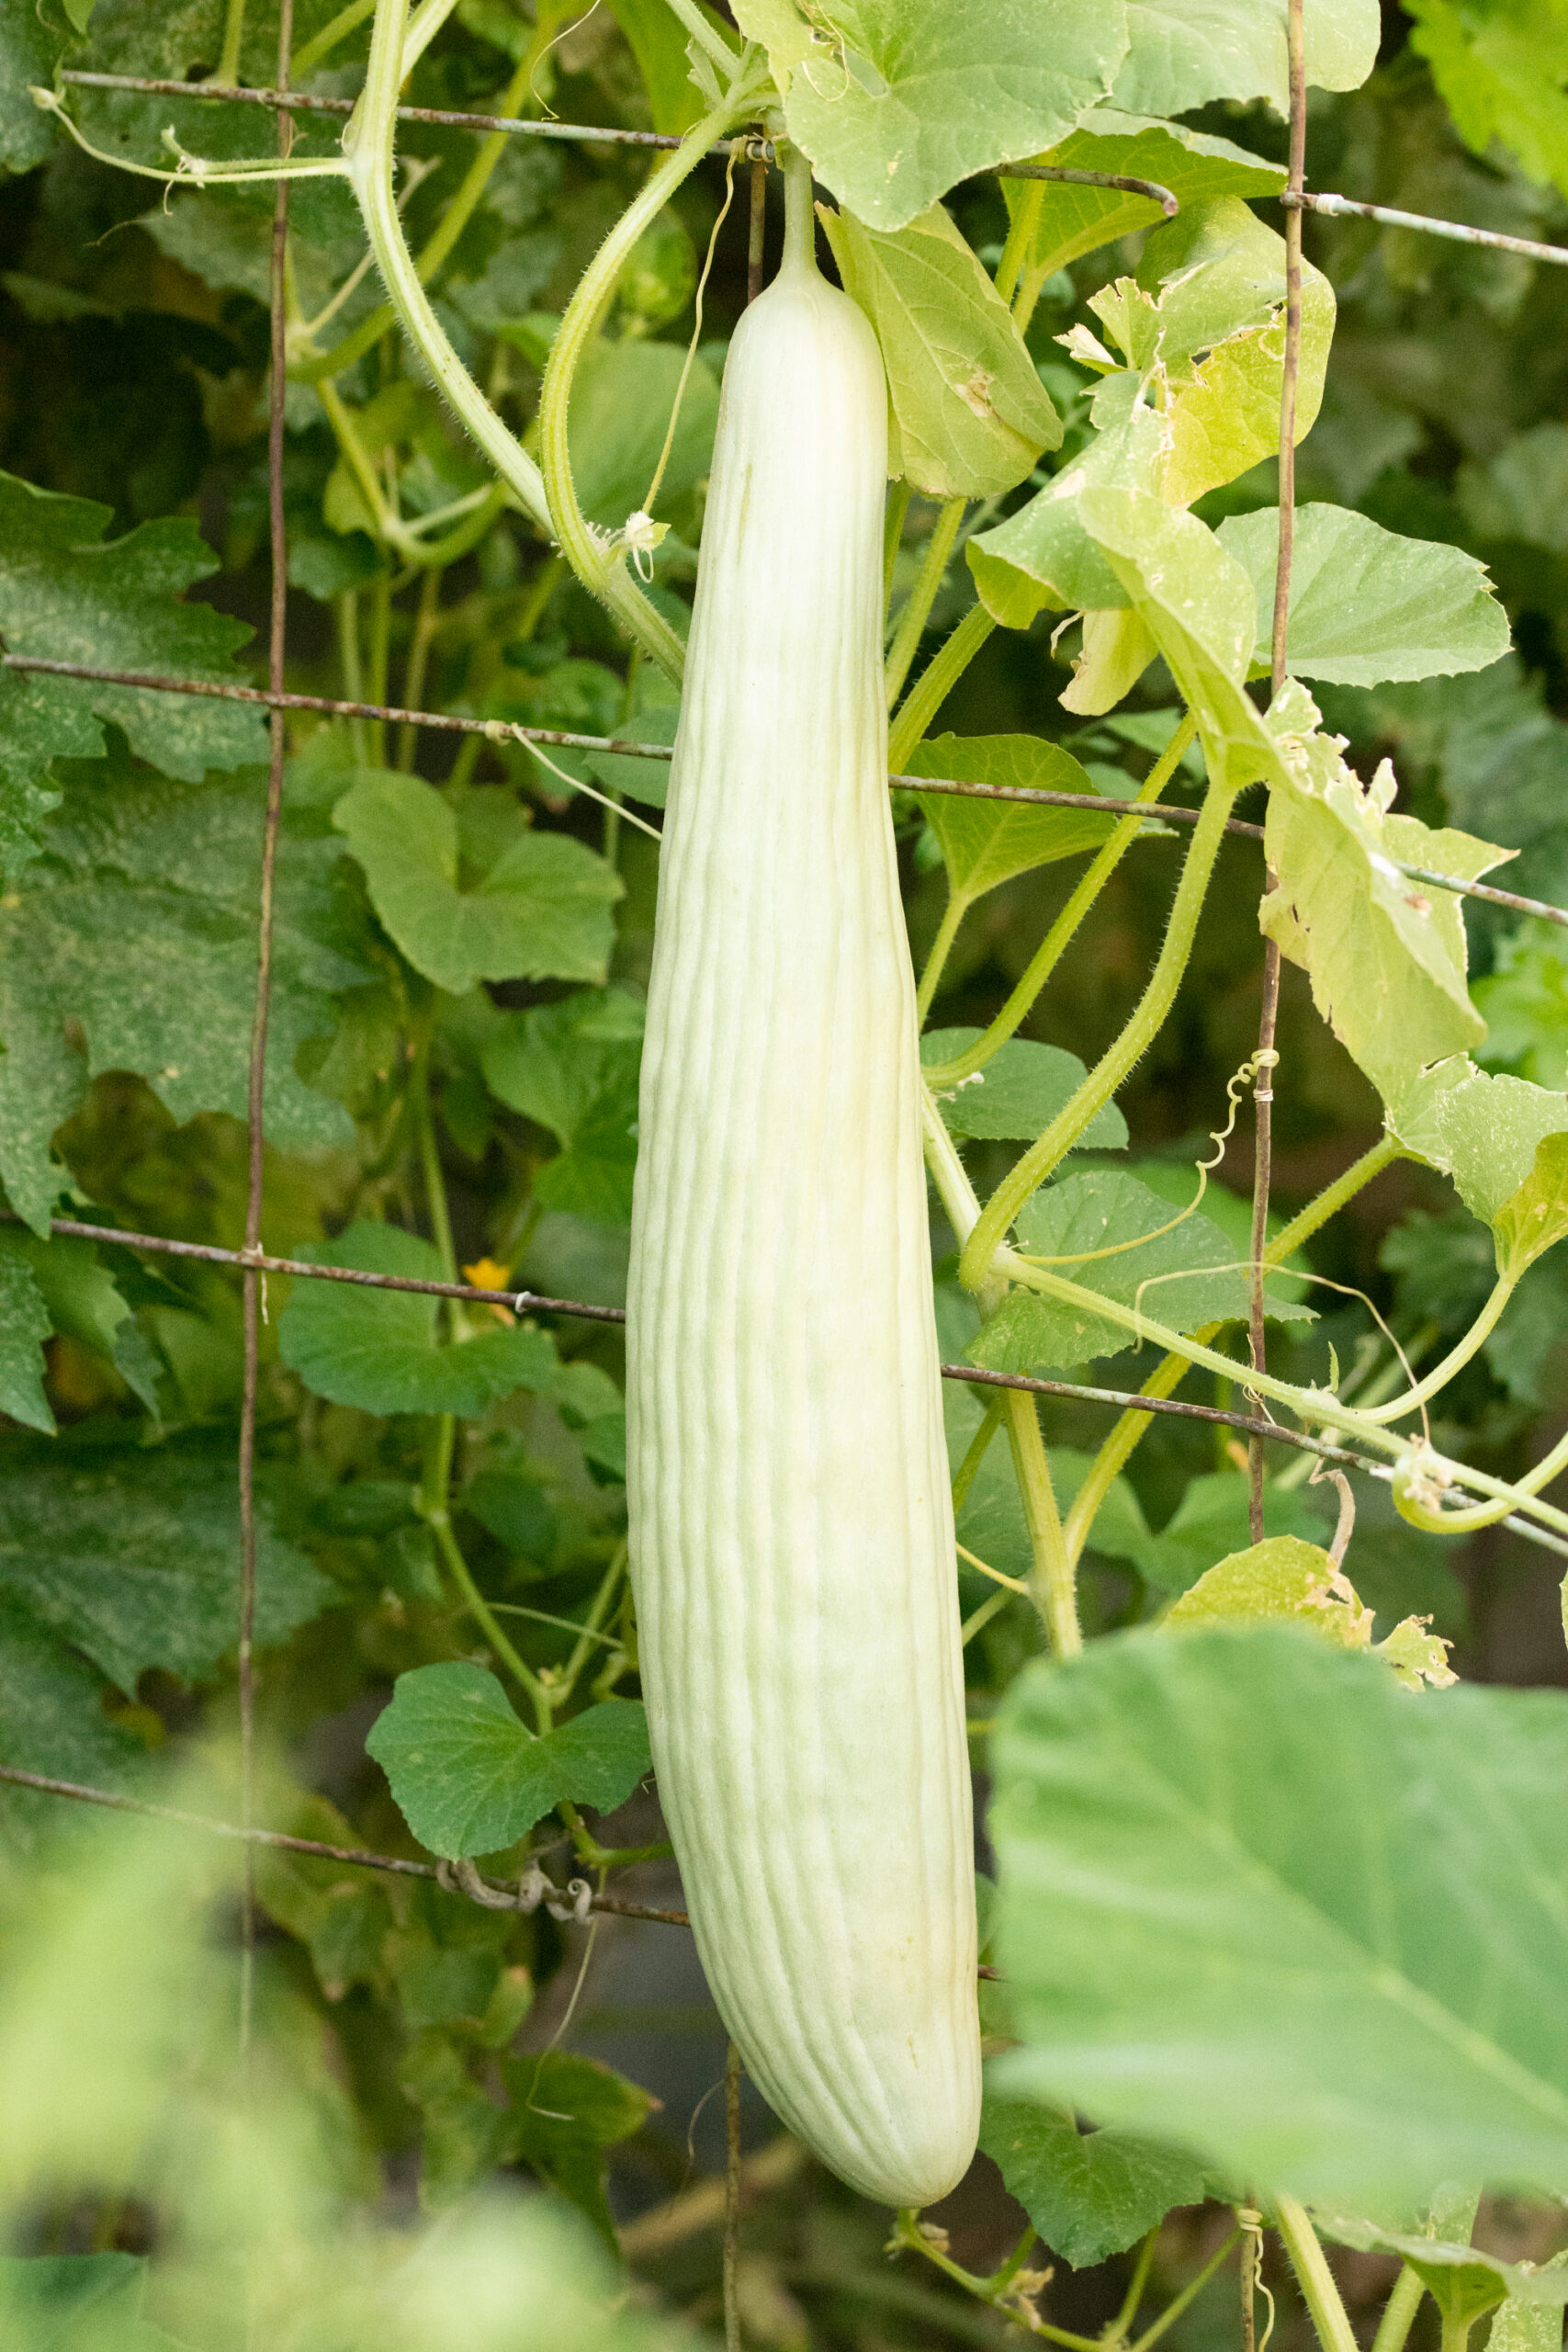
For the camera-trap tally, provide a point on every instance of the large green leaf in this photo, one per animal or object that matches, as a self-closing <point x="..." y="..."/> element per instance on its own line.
<point x="896" y="100"/>
<point x="133" y="1560"/>
<point x="574" y="1067"/>
<point x="1018" y="1092"/>
<point x="134" y="948"/>
<point x="1260" y="1900"/>
<point x="967" y="415"/>
<point x="1463" y="2279"/>
<point x="51" y="1721"/>
<point x="1195" y="167"/>
<point x="1366" y="605"/>
<point x="32" y="43"/>
<point x="1090" y="2194"/>
<point x="1185" y="1278"/>
<point x="1504" y="1143"/>
<point x="470" y="1778"/>
<point x="542" y="912"/>
<point x="378" y="1348"/>
<point x="77" y="2302"/>
<point x="1183" y="53"/>
<point x="66" y="595"/>
<point x="567" y="2111"/>
<point x="622" y="400"/>
<point x="1387" y="957"/>
<point x="84" y="1304"/>
<point x="986" y="842"/>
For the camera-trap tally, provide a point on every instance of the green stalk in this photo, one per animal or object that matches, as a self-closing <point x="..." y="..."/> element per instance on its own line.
<point x="348" y="661"/>
<point x="1310" y="2263"/>
<point x="1019" y="237"/>
<point x="1456" y="1359"/>
<point x="891" y="535"/>
<point x="922" y="596"/>
<point x="935" y="683"/>
<point x="228" y="67"/>
<point x="1038" y="1162"/>
<point x="597" y="559"/>
<point x="1051" y="1573"/>
<point x="381" y="655"/>
<point x="1178" y="2303"/>
<point x="1132" y="1427"/>
<point x="337" y="29"/>
<point x="964" y="1477"/>
<point x="1399" y="2312"/>
<point x="947" y="932"/>
<point x="369" y="145"/>
<point x="1054" y="945"/>
<point x="419" y="654"/>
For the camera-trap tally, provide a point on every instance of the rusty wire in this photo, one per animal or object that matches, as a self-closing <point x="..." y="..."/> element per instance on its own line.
<point x="506" y="730"/>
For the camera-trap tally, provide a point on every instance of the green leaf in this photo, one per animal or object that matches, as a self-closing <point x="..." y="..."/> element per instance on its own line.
<point x="572" y="1067"/>
<point x="1185" y="1278"/>
<point x="644" y="780"/>
<point x="1182" y="55"/>
<point x="24" y="1327"/>
<point x="1463" y="2280"/>
<point x="896" y="101"/>
<point x="1524" y="1000"/>
<point x="53" y="1721"/>
<point x="32" y="43"/>
<point x="77" y="2302"/>
<point x="1256" y="1900"/>
<point x="1536" y="1216"/>
<point x="1500" y="72"/>
<point x="469" y="1777"/>
<point x="622" y="397"/>
<point x="1366" y="605"/>
<point x="541" y="912"/>
<point x="1385" y="956"/>
<point x="68" y="595"/>
<point x="82" y="1303"/>
<point x="378" y="1348"/>
<point x="1283" y="1577"/>
<point x="565" y="2112"/>
<point x="1090" y="2194"/>
<point x="1043" y="555"/>
<point x="1210" y="1521"/>
<point x="986" y="842"/>
<point x="1018" y="1092"/>
<point x="967" y="415"/>
<point x="138" y="951"/>
<point x="1198" y="605"/>
<point x="1070" y="221"/>
<point x="132" y="1560"/>
<point x="1521" y="493"/>
<point x="656" y="39"/>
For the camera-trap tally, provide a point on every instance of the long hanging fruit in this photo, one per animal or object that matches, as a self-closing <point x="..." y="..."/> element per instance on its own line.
<point x="791" y="1520"/>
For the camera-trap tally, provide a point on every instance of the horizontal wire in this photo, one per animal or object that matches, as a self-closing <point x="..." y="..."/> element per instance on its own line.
<point x="754" y="148"/>
<point x="1346" y="207"/>
<point x="356" y="1856"/>
<point x="529" y="1302"/>
<point x="505" y="730"/>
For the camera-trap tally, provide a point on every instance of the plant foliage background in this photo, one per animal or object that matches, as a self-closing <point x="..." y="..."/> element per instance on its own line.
<point x="461" y="948"/>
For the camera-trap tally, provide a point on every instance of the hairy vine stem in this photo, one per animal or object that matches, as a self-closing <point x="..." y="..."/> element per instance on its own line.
<point x="598" y="559"/>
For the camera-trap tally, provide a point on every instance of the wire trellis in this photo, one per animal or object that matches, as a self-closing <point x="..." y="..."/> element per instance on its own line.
<point x="252" y="1262"/>
<point x="500" y="730"/>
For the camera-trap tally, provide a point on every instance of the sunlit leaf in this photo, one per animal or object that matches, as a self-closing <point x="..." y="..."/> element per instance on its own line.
<point x="1184" y="52"/>
<point x="1015" y="1096"/>
<point x="986" y="842"/>
<point x="1195" y="167"/>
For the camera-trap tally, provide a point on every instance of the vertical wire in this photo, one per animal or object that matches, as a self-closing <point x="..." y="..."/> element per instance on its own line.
<point x="1263" y="1091"/>
<point x="253" y="1279"/>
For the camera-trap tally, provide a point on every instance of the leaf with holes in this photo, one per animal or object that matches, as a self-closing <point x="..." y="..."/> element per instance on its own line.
<point x="1258" y="1900"/>
<point x="542" y="911"/>
<point x="471" y="1778"/>
<point x="967" y="413"/>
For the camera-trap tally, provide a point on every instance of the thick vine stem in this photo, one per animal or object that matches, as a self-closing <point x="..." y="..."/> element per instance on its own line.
<point x="369" y="145"/>
<point x="599" y="561"/>
<point x="1399" y="2312"/>
<point x="1321" y="2297"/>
<point x="1414" y="1502"/>
<point x="922" y="596"/>
<point x="1456" y="1359"/>
<point x="1051" y="948"/>
<point x="1098" y="1088"/>
<point x="935" y="683"/>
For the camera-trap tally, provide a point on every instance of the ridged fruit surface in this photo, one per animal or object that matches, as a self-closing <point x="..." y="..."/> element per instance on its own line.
<point x="791" y="1520"/>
